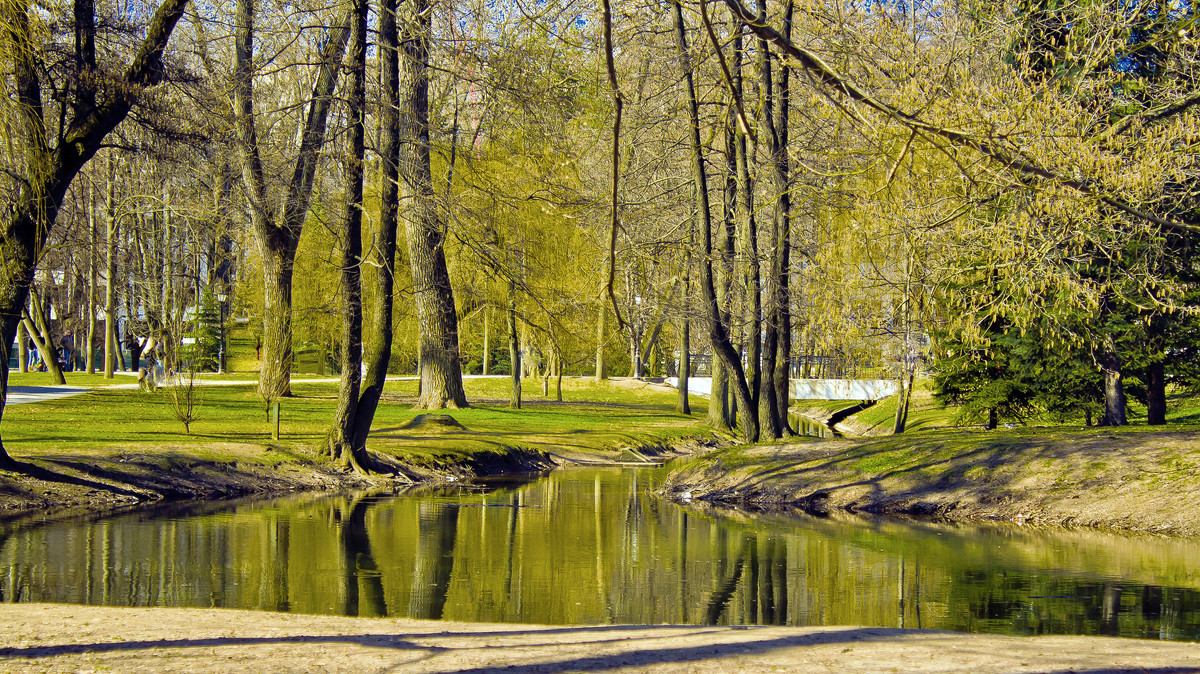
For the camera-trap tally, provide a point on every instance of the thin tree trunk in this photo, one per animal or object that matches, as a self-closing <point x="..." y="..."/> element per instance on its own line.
<point x="902" y="397"/>
<point x="487" y="342"/>
<point x="558" y="373"/>
<point x="752" y="277"/>
<point x="112" y="225"/>
<point x="342" y="446"/>
<point x="438" y="352"/>
<point x="514" y="347"/>
<point x="718" y="334"/>
<point x="683" y="405"/>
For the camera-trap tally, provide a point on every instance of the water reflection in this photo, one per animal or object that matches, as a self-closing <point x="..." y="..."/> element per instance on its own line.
<point x="596" y="547"/>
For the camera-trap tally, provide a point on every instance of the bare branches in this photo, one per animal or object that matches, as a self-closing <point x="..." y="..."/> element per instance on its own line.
<point x="618" y="108"/>
<point x="1007" y="158"/>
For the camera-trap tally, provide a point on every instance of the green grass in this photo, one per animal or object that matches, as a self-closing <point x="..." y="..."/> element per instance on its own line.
<point x="232" y="422"/>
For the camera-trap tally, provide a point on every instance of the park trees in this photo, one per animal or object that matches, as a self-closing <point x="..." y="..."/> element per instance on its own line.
<point x="57" y="125"/>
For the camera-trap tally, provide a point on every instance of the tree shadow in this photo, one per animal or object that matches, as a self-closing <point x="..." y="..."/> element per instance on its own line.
<point x="37" y="472"/>
<point x="408" y="642"/>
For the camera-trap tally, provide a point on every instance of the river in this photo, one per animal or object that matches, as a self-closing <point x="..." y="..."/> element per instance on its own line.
<point x="597" y="546"/>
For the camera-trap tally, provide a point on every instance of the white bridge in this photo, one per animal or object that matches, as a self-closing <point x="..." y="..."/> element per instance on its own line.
<point x="814" y="389"/>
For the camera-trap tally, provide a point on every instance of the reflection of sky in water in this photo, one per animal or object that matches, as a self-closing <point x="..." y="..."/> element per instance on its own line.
<point x="596" y="546"/>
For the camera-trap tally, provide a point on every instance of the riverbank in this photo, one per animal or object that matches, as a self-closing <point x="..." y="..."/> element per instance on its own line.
<point x="54" y="637"/>
<point x="1131" y="478"/>
<point x="117" y="447"/>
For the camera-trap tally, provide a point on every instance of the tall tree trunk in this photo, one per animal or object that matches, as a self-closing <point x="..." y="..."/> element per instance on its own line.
<point x="277" y="227"/>
<point x="90" y="342"/>
<point x="1156" y="394"/>
<point x="341" y="442"/>
<point x="378" y="340"/>
<point x="768" y="409"/>
<point x="438" y="352"/>
<point x="781" y="259"/>
<point x="718" y="333"/>
<point x="112" y="225"/>
<point x="751" y="274"/>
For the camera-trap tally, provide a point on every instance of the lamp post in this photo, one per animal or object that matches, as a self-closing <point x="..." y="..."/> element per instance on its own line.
<point x="221" y="297"/>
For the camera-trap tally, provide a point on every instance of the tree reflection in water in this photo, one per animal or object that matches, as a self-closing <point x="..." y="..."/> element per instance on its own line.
<point x="596" y="546"/>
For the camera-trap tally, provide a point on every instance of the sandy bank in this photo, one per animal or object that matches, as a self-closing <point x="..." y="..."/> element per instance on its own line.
<point x="53" y="637"/>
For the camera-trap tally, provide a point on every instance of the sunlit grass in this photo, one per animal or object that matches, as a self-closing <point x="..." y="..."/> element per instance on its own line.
<point x="594" y="417"/>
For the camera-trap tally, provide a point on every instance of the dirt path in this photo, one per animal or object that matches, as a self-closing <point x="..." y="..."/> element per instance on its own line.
<point x="55" y="638"/>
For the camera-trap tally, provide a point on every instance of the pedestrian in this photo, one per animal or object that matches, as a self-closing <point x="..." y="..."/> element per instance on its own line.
<point x="67" y="351"/>
<point x="33" y="356"/>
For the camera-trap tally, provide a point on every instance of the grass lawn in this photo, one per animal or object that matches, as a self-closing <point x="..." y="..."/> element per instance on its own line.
<point x="596" y="416"/>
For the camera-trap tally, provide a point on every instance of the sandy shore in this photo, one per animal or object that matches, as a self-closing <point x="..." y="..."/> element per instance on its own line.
<point x="64" y="638"/>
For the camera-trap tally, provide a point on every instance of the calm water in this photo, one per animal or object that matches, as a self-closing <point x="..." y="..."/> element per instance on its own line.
<point x="596" y="546"/>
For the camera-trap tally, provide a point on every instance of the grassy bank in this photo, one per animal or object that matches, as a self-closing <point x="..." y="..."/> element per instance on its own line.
<point x="1136" y="478"/>
<point x="119" y="445"/>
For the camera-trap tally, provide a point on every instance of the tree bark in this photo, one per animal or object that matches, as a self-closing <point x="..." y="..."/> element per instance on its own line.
<point x="341" y="442"/>
<point x="1114" y="390"/>
<point x="718" y="333"/>
<point x="1110" y="362"/>
<point x="22" y="348"/>
<point x="438" y="351"/>
<point x="781" y="260"/>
